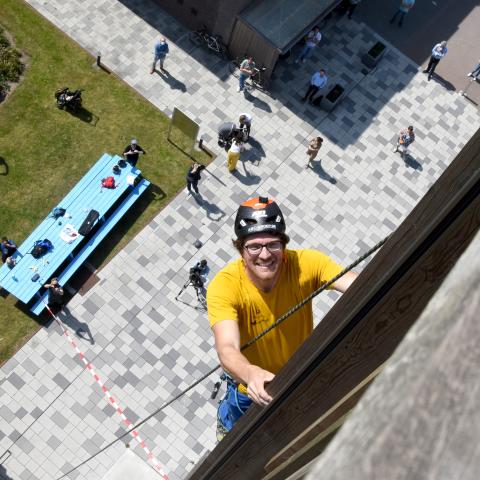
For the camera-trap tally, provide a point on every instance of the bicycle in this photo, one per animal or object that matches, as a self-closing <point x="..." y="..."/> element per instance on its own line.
<point x="201" y="37"/>
<point x="257" y="80"/>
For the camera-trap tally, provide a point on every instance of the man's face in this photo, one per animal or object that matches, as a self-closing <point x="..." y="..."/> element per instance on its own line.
<point x="265" y="265"/>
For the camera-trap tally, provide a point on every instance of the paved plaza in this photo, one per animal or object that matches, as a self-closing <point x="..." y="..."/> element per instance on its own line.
<point x="145" y="345"/>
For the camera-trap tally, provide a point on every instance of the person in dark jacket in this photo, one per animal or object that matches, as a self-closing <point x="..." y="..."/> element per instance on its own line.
<point x="8" y="248"/>
<point x="55" y="293"/>
<point x="132" y="152"/>
<point x="193" y="176"/>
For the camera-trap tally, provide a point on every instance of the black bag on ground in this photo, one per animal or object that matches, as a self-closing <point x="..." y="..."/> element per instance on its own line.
<point x="88" y="223"/>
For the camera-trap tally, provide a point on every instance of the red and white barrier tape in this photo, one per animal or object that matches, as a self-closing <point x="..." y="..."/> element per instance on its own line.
<point x="118" y="409"/>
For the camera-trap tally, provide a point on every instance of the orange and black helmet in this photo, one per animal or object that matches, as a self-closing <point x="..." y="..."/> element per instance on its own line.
<point x="259" y="215"/>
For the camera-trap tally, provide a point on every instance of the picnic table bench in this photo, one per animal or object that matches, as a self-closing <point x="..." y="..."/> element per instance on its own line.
<point x="67" y="256"/>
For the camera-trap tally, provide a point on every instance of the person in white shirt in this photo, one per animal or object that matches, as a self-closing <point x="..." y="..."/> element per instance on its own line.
<point x="311" y="41"/>
<point x="245" y="121"/>
<point x="438" y="52"/>
<point x="318" y="81"/>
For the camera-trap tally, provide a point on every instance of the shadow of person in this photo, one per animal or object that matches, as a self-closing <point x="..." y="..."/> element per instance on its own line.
<point x="3" y="166"/>
<point x="85" y="116"/>
<point x="412" y="162"/>
<point x="316" y="166"/>
<point x="212" y="210"/>
<point x="445" y="83"/>
<point x="257" y="102"/>
<point x="255" y="152"/>
<point x="171" y="81"/>
<point x="246" y="179"/>
<point x="81" y="329"/>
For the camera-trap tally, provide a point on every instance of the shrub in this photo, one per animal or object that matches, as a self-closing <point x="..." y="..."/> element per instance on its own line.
<point x="10" y="65"/>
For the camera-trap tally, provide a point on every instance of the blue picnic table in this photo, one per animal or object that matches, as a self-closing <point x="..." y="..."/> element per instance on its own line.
<point x="70" y="252"/>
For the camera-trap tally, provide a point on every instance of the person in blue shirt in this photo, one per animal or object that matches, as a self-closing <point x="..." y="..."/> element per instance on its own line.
<point x="8" y="248"/>
<point x="438" y="52"/>
<point x="403" y="9"/>
<point x="317" y="82"/>
<point x="160" y="52"/>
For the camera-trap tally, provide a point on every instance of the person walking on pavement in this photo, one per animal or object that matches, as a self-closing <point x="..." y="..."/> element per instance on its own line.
<point x="233" y="154"/>
<point x="475" y="72"/>
<point x="247" y="69"/>
<point x="313" y="147"/>
<point x="311" y="41"/>
<point x="318" y="81"/>
<point x="249" y="294"/>
<point x="132" y="152"/>
<point x="193" y="176"/>
<point x="160" y="52"/>
<point x="405" y="138"/>
<point x="403" y="9"/>
<point x="438" y="52"/>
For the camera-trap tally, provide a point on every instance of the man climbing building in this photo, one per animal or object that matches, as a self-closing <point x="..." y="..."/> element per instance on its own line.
<point x="249" y="294"/>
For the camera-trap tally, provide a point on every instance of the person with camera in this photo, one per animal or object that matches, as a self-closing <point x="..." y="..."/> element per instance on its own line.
<point x="247" y="69"/>
<point x="250" y="294"/>
<point x="55" y="293"/>
<point x="193" y="177"/>
<point x="132" y="152"/>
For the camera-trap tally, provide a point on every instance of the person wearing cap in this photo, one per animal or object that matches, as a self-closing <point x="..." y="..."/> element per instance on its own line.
<point x="250" y="294"/>
<point x="159" y="54"/>
<point x="55" y="293"/>
<point x="132" y="152"/>
<point x="438" y="52"/>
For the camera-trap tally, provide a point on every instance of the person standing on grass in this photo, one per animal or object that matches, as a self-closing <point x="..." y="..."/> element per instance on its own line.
<point x="8" y="248"/>
<point x="159" y="54"/>
<point x="132" y="152"/>
<point x="313" y="149"/>
<point x="193" y="177"/>
<point x="438" y="52"/>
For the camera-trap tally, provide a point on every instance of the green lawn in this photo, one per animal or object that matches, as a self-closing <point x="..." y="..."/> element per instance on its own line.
<point x="47" y="150"/>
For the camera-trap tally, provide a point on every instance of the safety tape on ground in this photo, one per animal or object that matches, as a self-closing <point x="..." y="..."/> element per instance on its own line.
<point x="110" y="398"/>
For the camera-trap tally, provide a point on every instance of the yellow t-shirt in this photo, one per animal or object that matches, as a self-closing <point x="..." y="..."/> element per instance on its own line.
<point x="232" y="296"/>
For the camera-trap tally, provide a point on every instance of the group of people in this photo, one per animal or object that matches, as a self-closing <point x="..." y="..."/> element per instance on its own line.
<point x="55" y="291"/>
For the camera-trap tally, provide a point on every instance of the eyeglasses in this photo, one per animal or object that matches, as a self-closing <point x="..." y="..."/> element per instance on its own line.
<point x="256" y="248"/>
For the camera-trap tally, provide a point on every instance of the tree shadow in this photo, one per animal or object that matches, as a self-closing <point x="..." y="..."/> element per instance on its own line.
<point x="246" y="179"/>
<point x="214" y="213"/>
<point x="3" y="166"/>
<point x="316" y="166"/>
<point x="81" y="329"/>
<point x="85" y="116"/>
<point x="412" y="163"/>
<point x="171" y="81"/>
